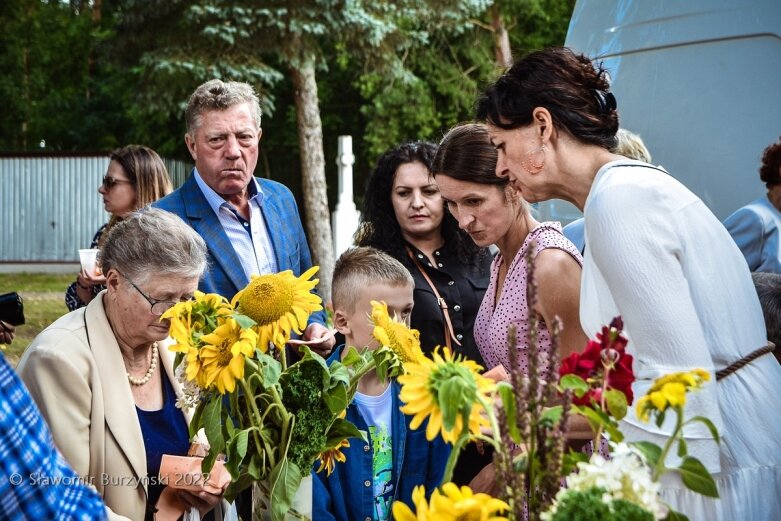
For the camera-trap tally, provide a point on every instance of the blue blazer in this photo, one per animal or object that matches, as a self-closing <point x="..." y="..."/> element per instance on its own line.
<point x="345" y="495"/>
<point x="755" y="229"/>
<point x="224" y="274"/>
<point x="575" y="232"/>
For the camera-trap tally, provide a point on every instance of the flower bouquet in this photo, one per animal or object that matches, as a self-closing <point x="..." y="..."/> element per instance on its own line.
<point x="535" y="476"/>
<point x="271" y="420"/>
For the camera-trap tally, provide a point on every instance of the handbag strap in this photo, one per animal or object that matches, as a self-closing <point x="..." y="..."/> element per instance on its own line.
<point x="449" y="334"/>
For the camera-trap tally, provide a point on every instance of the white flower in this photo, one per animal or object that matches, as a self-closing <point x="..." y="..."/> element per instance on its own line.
<point x="191" y="393"/>
<point x="624" y="476"/>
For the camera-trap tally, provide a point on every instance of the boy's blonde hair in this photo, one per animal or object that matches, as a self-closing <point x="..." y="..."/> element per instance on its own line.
<point x="359" y="267"/>
<point x="631" y="145"/>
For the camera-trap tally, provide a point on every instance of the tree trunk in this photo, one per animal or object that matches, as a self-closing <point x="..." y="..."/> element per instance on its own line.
<point x="502" y="52"/>
<point x="310" y="141"/>
<point x="97" y="16"/>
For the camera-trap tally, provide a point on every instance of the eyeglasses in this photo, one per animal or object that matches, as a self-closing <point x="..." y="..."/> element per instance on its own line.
<point x="110" y="182"/>
<point x="158" y="307"/>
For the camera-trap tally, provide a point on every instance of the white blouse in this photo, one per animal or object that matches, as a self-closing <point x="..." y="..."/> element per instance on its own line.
<point x="657" y="256"/>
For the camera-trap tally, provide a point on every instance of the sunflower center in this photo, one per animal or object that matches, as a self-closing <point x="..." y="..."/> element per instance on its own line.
<point x="397" y="342"/>
<point x="267" y="299"/>
<point x="224" y="349"/>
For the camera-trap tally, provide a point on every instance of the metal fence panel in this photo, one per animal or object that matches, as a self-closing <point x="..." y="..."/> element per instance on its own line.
<point x="49" y="206"/>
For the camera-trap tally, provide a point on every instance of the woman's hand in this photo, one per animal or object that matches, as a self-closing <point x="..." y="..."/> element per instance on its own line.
<point x="314" y="331"/>
<point x="84" y="284"/>
<point x="497" y="374"/>
<point x="87" y="279"/>
<point x="203" y="500"/>
<point x="7" y="332"/>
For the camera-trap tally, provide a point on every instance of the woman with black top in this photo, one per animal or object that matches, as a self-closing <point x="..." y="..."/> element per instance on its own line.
<point x="404" y="215"/>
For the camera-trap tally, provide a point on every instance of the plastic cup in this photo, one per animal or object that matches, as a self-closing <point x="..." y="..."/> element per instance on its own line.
<point x="88" y="260"/>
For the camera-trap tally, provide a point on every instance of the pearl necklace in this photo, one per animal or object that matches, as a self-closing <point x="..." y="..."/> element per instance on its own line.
<point x="148" y="376"/>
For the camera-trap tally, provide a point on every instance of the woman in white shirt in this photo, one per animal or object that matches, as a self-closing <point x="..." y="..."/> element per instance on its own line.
<point x="659" y="258"/>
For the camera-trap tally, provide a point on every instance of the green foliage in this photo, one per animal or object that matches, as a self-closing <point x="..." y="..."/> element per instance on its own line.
<point x="387" y="71"/>
<point x="650" y="451"/>
<point x="709" y="424"/>
<point x="599" y="419"/>
<point x="623" y="510"/>
<point x="697" y="478"/>
<point x="616" y="403"/>
<point x="279" y="420"/>
<point x="588" y="506"/>
<point x="303" y="397"/>
<point x="285" y="479"/>
<point x="44" y="302"/>
<point x="45" y="97"/>
<point x="672" y="515"/>
<point x="575" y="383"/>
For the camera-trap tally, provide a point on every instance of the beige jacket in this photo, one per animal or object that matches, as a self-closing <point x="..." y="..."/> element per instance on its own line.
<point x="75" y="373"/>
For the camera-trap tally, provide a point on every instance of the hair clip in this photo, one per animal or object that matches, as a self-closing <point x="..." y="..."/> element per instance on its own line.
<point x="605" y="100"/>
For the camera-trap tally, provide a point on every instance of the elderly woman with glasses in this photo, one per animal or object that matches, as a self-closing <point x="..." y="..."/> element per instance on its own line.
<point x="103" y="376"/>
<point x="135" y="178"/>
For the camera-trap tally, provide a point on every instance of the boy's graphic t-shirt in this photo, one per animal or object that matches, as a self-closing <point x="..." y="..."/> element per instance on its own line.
<point x="377" y="411"/>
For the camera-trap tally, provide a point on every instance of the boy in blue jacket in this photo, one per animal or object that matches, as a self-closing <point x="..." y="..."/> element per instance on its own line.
<point x="395" y="459"/>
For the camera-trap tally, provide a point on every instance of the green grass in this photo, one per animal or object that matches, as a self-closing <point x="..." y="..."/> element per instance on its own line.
<point x="44" y="302"/>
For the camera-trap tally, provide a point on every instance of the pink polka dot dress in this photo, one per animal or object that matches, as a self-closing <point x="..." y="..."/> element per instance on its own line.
<point x="494" y="318"/>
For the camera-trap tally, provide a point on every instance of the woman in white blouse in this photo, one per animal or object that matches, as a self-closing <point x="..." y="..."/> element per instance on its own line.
<point x="659" y="258"/>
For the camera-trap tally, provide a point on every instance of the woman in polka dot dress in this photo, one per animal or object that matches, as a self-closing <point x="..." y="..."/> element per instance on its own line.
<point x="492" y="211"/>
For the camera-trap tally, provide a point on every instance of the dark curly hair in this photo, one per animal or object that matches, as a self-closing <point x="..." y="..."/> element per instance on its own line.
<point x="771" y="164"/>
<point x="574" y="90"/>
<point x="379" y="227"/>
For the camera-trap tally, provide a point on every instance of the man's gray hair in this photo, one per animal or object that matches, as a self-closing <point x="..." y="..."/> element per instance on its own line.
<point x="219" y="95"/>
<point x="153" y="242"/>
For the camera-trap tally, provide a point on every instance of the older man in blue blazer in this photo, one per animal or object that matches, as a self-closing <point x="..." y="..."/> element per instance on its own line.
<point x="250" y="225"/>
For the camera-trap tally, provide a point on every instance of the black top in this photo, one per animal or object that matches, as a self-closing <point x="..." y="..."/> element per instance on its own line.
<point x="462" y="286"/>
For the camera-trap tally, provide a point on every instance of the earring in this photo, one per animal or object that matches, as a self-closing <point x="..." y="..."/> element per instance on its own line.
<point x="530" y="165"/>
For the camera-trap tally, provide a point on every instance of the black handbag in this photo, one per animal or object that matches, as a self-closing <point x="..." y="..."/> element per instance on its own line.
<point x="12" y="308"/>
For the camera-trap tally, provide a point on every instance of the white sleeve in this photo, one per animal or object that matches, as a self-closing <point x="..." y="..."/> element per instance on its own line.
<point x="634" y="240"/>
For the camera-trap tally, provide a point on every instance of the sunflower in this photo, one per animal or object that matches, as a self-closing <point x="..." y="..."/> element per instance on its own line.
<point x="451" y="503"/>
<point x="220" y="361"/>
<point x="180" y="327"/>
<point x="403" y="341"/>
<point x="402" y="512"/>
<point x="670" y="391"/>
<point x="195" y="317"/>
<point x="442" y="390"/>
<point x="331" y="457"/>
<point x="279" y="303"/>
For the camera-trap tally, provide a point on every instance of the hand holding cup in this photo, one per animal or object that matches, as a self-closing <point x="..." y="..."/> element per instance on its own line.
<point x="90" y="270"/>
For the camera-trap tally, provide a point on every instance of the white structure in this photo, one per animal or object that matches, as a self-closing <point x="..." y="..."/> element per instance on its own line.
<point x="345" y="219"/>
<point x="697" y="80"/>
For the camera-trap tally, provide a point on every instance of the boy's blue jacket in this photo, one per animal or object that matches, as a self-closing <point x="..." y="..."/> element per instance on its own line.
<point x="348" y="493"/>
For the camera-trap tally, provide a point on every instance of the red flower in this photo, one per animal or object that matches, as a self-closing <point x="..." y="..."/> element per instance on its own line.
<point x="604" y="364"/>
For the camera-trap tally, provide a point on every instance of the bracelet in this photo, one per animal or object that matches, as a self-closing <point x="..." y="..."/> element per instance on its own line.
<point x="82" y="287"/>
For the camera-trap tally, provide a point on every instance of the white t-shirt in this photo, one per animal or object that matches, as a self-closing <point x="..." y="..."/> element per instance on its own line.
<point x="377" y="411"/>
